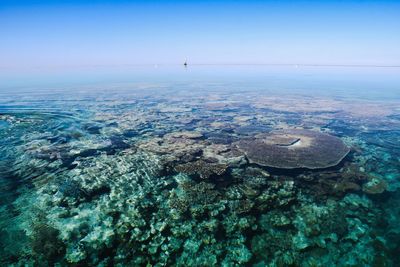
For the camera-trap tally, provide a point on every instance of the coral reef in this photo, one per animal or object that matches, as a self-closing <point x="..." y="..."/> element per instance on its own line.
<point x="214" y="179"/>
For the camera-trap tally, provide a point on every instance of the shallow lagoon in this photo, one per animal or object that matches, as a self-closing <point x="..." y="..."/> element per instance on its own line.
<point x="142" y="166"/>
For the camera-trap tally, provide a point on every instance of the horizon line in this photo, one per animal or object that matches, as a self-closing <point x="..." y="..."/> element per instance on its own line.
<point x="300" y="64"/>
<point x="202" y="64"/>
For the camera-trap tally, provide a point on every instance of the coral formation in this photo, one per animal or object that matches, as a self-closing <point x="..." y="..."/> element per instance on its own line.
<point x="163" y="179"/>
<point x="201" y="168"/>
<point x="46" y="245"/>
<point x="374" y="186"/>
<point x="291" y="149"/>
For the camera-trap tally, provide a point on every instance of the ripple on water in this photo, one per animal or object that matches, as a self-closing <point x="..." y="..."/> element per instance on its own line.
<point x="120" y="182"/>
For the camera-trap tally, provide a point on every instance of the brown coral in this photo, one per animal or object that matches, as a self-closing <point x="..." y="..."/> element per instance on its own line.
<point x="204" y="169"/>
<point x="290" y="149"/>
<point x="374" y="186"/>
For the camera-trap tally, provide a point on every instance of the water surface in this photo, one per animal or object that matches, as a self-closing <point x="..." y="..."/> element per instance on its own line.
<point x="143" y="166"/>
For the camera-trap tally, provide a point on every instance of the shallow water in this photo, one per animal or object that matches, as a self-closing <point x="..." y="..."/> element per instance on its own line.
<point x="141" y="166"/>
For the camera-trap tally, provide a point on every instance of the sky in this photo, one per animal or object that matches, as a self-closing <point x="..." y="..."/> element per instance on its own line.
<point x="57" y="34"/>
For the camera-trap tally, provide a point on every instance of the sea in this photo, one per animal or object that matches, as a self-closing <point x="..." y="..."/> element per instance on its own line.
<point x="200" y="165"/>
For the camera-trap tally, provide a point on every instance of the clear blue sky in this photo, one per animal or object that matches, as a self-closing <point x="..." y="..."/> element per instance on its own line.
<point x="85" y="33"/>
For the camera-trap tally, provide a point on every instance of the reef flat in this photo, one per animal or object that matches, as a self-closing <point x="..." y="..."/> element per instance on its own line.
<point x="182" y="177"/>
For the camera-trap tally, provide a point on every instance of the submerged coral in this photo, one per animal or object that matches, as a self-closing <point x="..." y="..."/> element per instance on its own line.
<point x="291" y="149"/>
<point x="169" y="180"/>
<point x="204" y="169"/>
<point x="46" y="244"/>
<point x="375" y="186"/>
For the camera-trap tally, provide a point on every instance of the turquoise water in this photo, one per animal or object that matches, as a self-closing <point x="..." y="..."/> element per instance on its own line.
<point x="161" y="166"/>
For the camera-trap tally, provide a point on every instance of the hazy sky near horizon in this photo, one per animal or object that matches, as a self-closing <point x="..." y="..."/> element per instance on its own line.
<point x="90" y="33"/>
